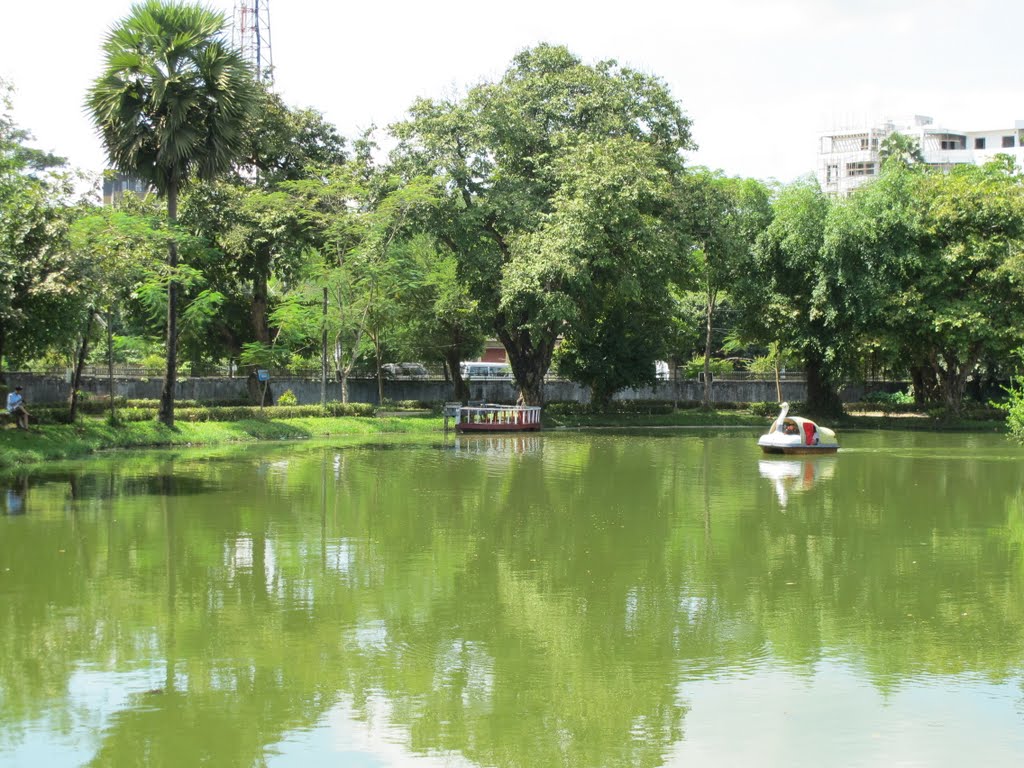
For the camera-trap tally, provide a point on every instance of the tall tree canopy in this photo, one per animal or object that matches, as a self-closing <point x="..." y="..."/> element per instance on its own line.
<point x="789" y="293"/>
<point x="724" y="216"/>
<point x="36" y="275"/>
<point x="538" y="229"/>
<point x="172" y="102"/>
<point x="956" y="296"/>
<point x="252" y="219"/>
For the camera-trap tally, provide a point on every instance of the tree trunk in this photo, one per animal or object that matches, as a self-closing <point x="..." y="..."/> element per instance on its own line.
<point x="952" y="377"/>
<point x="166" y="414"/>
<point x="460" y="391"/>
<point x="530" y="360"/>
<point x="710" y="307"/>
<point x="601" y="398"/>
<point x="822" y="397"/>
<point x="341" y="367"/>
<point x="380" y="375"/>
<point x="110" y="366"/>
<point x="258" y="310"/>
<point x="323" y="355"/>
<point x="260" y="392"/>
<point x="76" y="380"/>
<point x="925" y="383"/>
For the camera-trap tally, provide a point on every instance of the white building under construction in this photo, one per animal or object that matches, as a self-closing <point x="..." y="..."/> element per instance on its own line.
<point x="849" y="158"/>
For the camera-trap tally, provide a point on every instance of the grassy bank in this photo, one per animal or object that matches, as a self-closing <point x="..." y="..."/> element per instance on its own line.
<point x="66" y="441"/>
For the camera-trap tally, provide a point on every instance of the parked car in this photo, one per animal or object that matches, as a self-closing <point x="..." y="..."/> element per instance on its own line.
<point x="405" y="370"/>
<point x="479" y="370"/>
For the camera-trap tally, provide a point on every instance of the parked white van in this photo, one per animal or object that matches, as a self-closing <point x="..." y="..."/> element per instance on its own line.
<point x="479" y="370"/>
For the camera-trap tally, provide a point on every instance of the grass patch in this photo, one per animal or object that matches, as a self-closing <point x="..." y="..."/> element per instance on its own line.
<point x="67" y="441"/>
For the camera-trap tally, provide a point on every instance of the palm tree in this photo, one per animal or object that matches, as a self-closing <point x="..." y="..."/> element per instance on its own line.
<point x="171" y="105"/>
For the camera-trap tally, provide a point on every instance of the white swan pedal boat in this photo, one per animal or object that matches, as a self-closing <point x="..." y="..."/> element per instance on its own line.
<point x="796" y="435"/>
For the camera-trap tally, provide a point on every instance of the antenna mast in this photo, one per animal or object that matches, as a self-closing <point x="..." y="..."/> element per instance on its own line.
<point x="251" y="35"/>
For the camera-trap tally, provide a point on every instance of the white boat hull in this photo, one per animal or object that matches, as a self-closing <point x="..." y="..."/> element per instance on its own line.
<point x="797" y="436"/>
<point x="798" y="449"/>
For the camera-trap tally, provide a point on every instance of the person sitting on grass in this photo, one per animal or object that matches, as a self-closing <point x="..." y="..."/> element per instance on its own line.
<point x="16" y="407"/>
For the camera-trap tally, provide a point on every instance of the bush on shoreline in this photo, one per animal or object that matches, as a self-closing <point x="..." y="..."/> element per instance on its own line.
<point x="132" y="411"/>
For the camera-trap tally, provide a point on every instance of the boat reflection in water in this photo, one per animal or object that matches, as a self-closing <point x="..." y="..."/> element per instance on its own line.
<point x="795" y="475"/>
<point x="500" y="443"/>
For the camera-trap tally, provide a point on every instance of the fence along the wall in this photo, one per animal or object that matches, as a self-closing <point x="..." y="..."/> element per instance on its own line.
<point x="55" y="389"/>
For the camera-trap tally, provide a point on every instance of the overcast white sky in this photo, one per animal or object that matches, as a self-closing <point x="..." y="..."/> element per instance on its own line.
<point x="760" y="79"/>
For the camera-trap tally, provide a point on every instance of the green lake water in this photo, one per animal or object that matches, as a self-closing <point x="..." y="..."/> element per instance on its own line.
<point x="600" y="598"/>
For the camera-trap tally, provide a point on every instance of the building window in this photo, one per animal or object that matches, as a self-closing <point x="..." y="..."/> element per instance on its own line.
<point x="860" y="169"/>
<point x="952" y="141"/>
<point x="831" y="174"/>
<point x="979" y="143"/>
<point x="1007" y="141"/>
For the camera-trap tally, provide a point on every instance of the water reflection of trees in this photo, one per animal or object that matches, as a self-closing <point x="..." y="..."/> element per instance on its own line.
<point x="542" y="613"/>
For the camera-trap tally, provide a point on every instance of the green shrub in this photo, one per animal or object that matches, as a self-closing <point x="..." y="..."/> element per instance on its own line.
<point x="696" y="367"/>
<point x="413" y="405"/>
<point x="766" y="409"/>
<point x="889" y="398"/>
<point x="132" y="411"/>
<point x="764" y="365"/>
<point x="287" y="398"/>
<point x="1015" y="409"/>
<point x="240" y="412"/>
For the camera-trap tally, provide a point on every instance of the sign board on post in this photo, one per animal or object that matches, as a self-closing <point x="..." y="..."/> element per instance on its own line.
<point x="263" y="376"/>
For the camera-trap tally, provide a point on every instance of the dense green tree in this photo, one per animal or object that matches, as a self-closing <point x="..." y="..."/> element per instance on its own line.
<point x="359" y="219"/>
<point x="615" y="222"/>
<point x="442" y="322"/>
<point x="958" y="298"/>
<point x="285" y="143"/>
<point x="114" y="250"/>
<point x="256" y="239"/>
<point x="253" y="223"/>
<point x="171" y="104"/>
<point x="37" y="204"/>
<point x="930" y="264"/>
<point x="725" y="216"/>
<point x="786" y="294"/>
<point x="519" y="156"/>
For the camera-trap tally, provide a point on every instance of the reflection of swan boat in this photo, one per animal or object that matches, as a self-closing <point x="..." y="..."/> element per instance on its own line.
<point x="807" y="471"/>
<point x="794" y="434"/>
<point x="496" y="418"/>
<point x="794" y="474"/>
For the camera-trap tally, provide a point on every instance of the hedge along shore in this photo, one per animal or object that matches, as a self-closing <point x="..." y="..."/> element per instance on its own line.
<point x="50" y="442"/>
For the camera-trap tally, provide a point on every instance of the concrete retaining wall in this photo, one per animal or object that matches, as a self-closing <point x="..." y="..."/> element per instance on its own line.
<point x="55" y="389"/>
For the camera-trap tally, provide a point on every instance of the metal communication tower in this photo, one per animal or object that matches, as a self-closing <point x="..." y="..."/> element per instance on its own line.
<point x="251" y="35"/>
